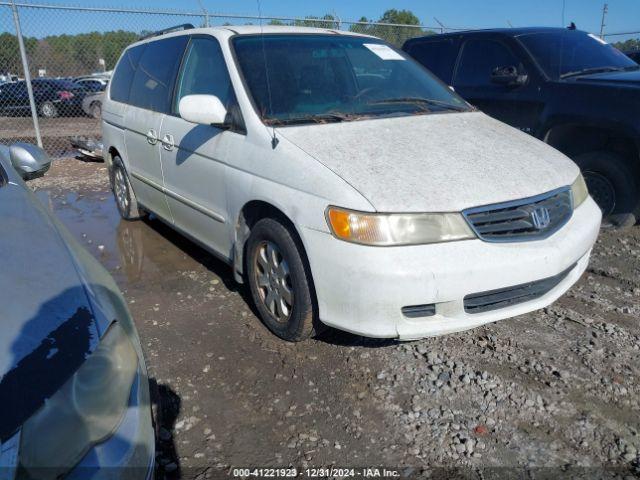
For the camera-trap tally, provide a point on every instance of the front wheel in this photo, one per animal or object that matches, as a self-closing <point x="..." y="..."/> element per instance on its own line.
<point x="280" y="281"/>
<point x="612" y="184"/>
<point x="96" y="110"/>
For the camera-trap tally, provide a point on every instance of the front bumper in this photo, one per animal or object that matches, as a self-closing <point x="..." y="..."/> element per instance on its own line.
<point x="363" y="289"/>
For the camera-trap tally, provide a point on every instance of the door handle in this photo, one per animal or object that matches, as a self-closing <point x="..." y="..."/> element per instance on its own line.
<point x="152" y="137"/>
<point x="167" y="142"/>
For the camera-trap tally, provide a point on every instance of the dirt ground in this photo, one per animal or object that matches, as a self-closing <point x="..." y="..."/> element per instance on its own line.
<point x="551" y="394"/>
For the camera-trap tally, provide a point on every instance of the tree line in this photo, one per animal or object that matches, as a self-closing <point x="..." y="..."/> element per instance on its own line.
<point x="70" y="55"/>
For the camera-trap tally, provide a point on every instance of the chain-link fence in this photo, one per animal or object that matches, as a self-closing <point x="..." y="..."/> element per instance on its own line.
<point x="66" y="46"/>
<point x="70" y="52"/>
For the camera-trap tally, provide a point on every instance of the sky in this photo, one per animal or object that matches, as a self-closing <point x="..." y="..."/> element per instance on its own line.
<point x="624" y="15"/>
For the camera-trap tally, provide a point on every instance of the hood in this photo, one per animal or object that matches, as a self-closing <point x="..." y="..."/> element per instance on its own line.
<point x="47" y="325"/>
<point x="629" y="78"/>
<point x="435" y="163"/>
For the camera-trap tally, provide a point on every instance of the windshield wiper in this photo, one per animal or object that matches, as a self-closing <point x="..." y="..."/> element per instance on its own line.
<point x="587" y="71"/>
<point x="304" y="119"/>
<point x="420" y="101"/>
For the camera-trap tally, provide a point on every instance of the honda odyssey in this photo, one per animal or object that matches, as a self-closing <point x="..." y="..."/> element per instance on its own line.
<point x="342" y="181"/>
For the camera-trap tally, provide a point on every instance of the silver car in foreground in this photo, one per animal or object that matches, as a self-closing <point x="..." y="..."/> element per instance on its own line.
<point x="74" y="392"/>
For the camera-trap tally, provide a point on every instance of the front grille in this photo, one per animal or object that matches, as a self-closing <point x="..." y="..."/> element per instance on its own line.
<point x="527" y="219"/>
<point x="506" y="297"/>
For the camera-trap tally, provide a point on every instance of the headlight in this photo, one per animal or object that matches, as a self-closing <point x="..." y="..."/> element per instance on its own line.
<point x="385" y="229"/>
<point x="579" y="191"/>
<point x="85" y="411"/>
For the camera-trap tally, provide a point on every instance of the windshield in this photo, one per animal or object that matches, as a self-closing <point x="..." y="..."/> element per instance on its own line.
<point x="565" y="53"/>
<point x="324" y="78"/>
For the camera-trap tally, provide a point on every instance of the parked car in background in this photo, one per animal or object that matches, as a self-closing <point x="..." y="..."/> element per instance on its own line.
<point x="92" y="84"/>
<point x="92" y="104"/>
<point x="73" y="383"/>
<point x="566" y="87"/>
<point x="343" y="182"/>
<point x="52" y="98"/>
<point x="633" y="55"/>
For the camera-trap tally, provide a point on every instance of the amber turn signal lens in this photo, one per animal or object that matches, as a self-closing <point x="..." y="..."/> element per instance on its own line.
<point x="339" y="220"/>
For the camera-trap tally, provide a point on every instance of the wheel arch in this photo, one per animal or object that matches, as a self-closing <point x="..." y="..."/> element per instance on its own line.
<point x="250" y="213"/>
<point x="577" y="138"/>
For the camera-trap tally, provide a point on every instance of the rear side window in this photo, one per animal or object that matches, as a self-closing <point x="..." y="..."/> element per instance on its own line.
<point x="155" y="76"/>
<point x="125" y="71"/>
<point x="205" y="72"/>
<point x="438" y="56"/>
<point x="480" y="58"/>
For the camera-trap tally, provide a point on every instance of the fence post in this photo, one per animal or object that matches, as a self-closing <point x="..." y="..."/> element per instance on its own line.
<point x="27" y="75"/>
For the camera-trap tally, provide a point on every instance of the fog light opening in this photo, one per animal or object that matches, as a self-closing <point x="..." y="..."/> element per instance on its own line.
<point x="418" y="311"/>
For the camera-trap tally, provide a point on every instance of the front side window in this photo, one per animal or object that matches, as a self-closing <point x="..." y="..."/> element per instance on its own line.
<point x="479" y="59"/>
<point x="205" y="73"/>
<point x="571" y="52"/>
<point x="153" y="83"/>
<point x="298" y="78"/>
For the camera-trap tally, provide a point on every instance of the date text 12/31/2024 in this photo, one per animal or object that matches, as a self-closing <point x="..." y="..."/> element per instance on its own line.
<point x="323" y="472"/>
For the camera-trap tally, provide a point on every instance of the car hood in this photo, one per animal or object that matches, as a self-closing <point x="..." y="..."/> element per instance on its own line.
<point x="437" y="162"/>
<point x="47" y="326"/>
<point x="629" y="78"/>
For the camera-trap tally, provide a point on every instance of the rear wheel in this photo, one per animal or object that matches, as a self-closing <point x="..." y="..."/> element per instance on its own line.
<point x="123" y="193"/>
<point x="612" y="184"/>
<point x="48" y="110"/>
<point x="280" y="281"/>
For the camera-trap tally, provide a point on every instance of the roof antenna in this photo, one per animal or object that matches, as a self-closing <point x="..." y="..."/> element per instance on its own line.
<point x="274" y="139"/>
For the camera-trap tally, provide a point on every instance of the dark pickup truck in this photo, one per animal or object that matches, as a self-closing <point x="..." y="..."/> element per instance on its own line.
<point x="565" y="87"/>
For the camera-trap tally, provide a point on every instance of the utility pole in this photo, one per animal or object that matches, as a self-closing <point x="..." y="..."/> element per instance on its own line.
<point x="605" y="10"/>
<point x="442" y="27"/>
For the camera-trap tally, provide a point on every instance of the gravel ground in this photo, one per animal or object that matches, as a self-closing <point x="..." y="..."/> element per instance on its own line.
<point x="551" y="394"/>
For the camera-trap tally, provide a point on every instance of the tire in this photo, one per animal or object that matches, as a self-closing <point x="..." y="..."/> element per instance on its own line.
<point x="96" y="109"/>
<point x="611" y="182"/>
<point x="48" y="110"/>
<point x="276" y="263"/>
<point x="123" y="193"/>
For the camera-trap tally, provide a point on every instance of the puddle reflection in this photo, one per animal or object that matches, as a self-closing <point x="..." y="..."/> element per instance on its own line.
<point x="133" y="252"/>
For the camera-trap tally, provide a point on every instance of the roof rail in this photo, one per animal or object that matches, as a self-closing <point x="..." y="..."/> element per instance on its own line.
<point x="177" y="28"/>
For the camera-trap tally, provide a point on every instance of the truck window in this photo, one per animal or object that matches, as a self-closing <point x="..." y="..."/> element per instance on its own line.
<point x="438" y="56"/>
<point x="479" y="58"/>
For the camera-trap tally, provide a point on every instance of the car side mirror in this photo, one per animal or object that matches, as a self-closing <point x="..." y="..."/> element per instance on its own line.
<point x="203" y="109"/>
<point x="509" y="76"/>
<point x="29" y="160"/>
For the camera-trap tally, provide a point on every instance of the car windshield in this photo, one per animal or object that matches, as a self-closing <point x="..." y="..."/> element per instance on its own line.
<point x="307" y="78"/>
<point x="566" y="53"/>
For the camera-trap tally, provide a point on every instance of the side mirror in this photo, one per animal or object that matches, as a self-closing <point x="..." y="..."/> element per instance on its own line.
<point x="509" y="76"/>
<point x="203" y="109"/>
<point x="29" y="160"/>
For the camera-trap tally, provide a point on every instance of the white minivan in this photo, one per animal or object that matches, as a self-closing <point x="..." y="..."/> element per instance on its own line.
<point x="342" y="181"/>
